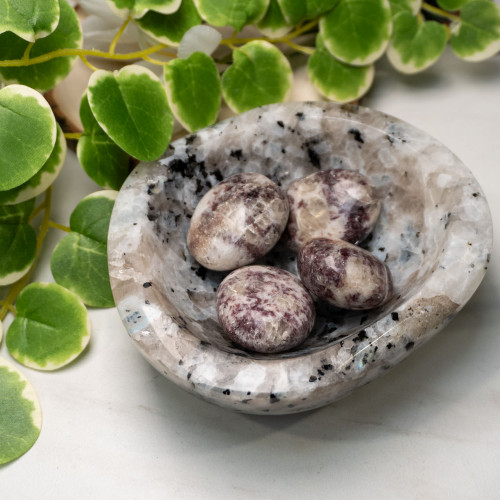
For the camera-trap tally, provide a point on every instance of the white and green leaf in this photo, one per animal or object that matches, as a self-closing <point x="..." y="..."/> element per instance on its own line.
<point x="51" y="328"/>
<point x="29" y="19"/>
<point x="200" y="38"/>
<point x="295" y="11"/>
<point x="79" y="261"/>
<point x="103" y="161"/>
<point x="235" y="13"/>
<point x="23" y="111"/>
<point x="260" y="74"/>
<point x="357" y="31"/>
<point x="336" y="80"/>
<point x="398" y="6"/>
<point x="43" y="178"/>
<point x="477" y="36"/>
<point x="274" y="24"/>
<point x="21" y="416"/>
<point x="44" y="75"/>
<point x="415" y="46"/>
<point x="138" y="8"/>
<point x="131" y="107"/>
<point x="193" y="90"/>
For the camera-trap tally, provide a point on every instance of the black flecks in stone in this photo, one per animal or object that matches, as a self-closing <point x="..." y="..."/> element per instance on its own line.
<point x="248" y="393"/>
<point x="218" y="175"/>
<point x="300" y="115"/>
<point x="321" y="372"/>
<point x="182" y="167"/>
<point x="199" y="186"/>
<point x="226" y="392"/>
<point x="361" y="336"/>
<point x="390" y="345"/>
<point x="181" y="362"/>
<point x="152" y="216"/>
<point x="475" y="195"/>
<point x="172" y="290"/>
<point x="312" y="378"/>
<point x="365" y="359"/>
<point x="363" y="319"/>
<point x="313" y="157"/>
<point x="395" y="316"/>
<point x="327" y="367"/>
<point x="273" y="398"/>
<point x="201" y="272"/>
<point x="190" y="139"/>
<point x="381" y="249"/>
<point x="246" y="401"/>
<point x="147" y="284"/>
<point x="447" y="220"/>
<point x="409" y="345"/>
<point x="151" y="188"/>
<point x="357" y="135"/>
<point x="189" y="375"/>
<point x="147" y="302"/>
<point x="204" y="343"/>
<point x="283" y="150"/>
<point x="390" y="138"/>
<point x="280" y="123"/>
<point x="236" y="153"/>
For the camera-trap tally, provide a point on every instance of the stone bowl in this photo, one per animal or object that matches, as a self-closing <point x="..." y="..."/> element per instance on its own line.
<point x="434" y="233"/>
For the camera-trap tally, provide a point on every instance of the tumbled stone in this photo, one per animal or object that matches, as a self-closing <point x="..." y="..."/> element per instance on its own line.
<point x="265" y="309"/>
<point x="334" y="203"/>
<point x="343" y="274"/>
<point x="237" y="221"/>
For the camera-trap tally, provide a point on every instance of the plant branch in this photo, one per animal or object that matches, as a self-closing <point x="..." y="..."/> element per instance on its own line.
<point x="440" y="12"/>
<point x="56" y="225"/>
<point x="72" y="135"/>
<point x="118" y="35"/>
<point x="26" y="54"/>
<point x="85" y="61"/>
<point x="300" y="48"/>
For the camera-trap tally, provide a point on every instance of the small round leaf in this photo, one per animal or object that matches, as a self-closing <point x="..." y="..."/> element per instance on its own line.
<point x="452" y="5"/>
<point x="169" y="29"/>
<point x="43" y="178"/>
<point x="415" y="47"/>
<point x="260" y="74"/>
<point x="398" y="6"/>
<point x="131" y="107"/>
<point x="295" y="11"/>
<point x="22" y="111"/>
<point x="18" y="213"/>
<point x="79" y="261"/>
<point x="357" y="31"/>
<point x="103" y="161"/>
<point x="29" y="19"/>
<point x="21" y="416"/>
<point x="477" y="36"/>
<point x="235" y="13"/>
<point x="193" y="90"/>
<point x="274" y="24"/>
<point x="137" y="8"/>
<point x="51" y="327"/>
<point x="46" y="75"/>
<point x="336" y="80"/>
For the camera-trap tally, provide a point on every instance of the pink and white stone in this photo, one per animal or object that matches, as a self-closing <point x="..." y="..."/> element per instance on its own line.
<point x="335" y="203"/>
<point x="237" y="221"/>
<point x="265" y="309"/>
<point x="344" y="275"/>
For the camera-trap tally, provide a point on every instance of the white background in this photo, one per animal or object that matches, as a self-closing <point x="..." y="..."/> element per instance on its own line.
<point x="428" y="429"/>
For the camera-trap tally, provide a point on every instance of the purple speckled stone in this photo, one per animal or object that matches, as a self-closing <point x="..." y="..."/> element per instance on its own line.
<point x="343" y="274"/>
<point x="265" y="309"/>
<point x="237" y="221"/>
<point x="334" y="203"/>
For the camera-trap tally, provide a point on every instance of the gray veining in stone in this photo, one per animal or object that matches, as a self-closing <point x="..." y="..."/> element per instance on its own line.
<point x="434" y="233"/>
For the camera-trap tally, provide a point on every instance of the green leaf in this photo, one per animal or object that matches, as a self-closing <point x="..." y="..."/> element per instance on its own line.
<point x="43" y="178"/>
<point x="193" y="90"/>
<point x="415" y="47"/>
<point x="336" y="80"/>
<point x="45" y="75"/>
<point x="21" y="416"/>
<point x="23" y="111"/>
<point x="295" y="11"/>
<point x="477" y="36"/>
<point x="317" y="8"/>
<point x="357" y="31"/>
<point x="452" y="5"/>
<point x="17" y="241"/>
<point x="51" y="327"/>
<point x="131" y="107"/>
<point x="235" y="13"/>
<point x="79" y="262"/>
<point x="29" y="19"/>
<point x="169" y="29"/>
<point x="398" y="6"/>
<point x="137" y="8"/>
<point x="274" y="24"/>
<point x="260" y="74"/>
<point x="103" y="161"/>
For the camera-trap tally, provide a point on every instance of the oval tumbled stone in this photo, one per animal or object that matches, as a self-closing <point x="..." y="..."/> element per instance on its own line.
<point x="265" y="309"/>
<point x="343" y="274"/>
<point x="237" y="221"/>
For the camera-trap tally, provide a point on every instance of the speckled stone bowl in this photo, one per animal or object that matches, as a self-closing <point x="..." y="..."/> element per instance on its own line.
<point x="434" y="233"/>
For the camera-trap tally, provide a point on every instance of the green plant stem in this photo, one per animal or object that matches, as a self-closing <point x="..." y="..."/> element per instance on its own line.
<point x="56" y="225"/>
<point x="81" y="53"/>
<point x="72" y="135"/>
<point x="85" y="61"/>
<point x="17" y="287"/>
<point x="439" y="12"/>
<point x="300" y="48"/>
<point x="118" y="35"/>
<point x="26" y="54"/>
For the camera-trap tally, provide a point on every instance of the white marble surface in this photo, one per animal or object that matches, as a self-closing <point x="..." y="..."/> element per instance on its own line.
<point x="429" y="429"/>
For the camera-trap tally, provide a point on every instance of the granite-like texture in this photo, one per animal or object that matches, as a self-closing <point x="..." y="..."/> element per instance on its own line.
<point x="434" y="234"/>
<point x="265" y="309"/>
<point x="343" y="274"/>
<point x="335" y="203"/>
<point x="239" y="220"/>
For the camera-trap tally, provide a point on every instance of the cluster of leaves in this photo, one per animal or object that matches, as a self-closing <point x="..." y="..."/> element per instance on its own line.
<point x="129" y="115"/>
